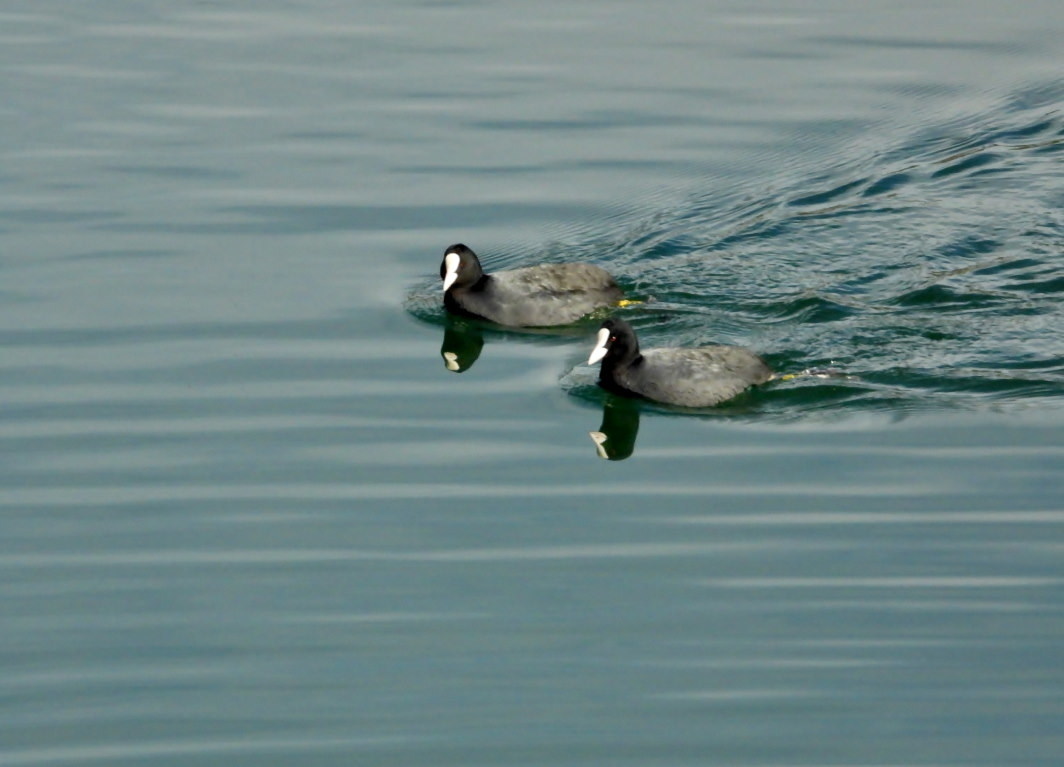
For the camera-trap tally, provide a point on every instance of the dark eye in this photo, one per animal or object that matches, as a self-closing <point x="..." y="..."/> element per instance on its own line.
<point x="612" y="339"/>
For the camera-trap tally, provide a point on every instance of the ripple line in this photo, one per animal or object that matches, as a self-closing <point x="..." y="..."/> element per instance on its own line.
<point x="228" y="557"/>
<point x="905" y="582"/>
<point x="81" y="496"/>
<point x="107" y="752"/>
<point x="873" y="518"/>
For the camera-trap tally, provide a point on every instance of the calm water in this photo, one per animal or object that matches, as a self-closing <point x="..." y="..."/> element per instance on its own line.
<point x="248" y="517"/>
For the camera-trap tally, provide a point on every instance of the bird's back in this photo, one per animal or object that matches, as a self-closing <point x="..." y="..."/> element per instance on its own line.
<point x="548" y="294"/>
<point x="699" y="377"/>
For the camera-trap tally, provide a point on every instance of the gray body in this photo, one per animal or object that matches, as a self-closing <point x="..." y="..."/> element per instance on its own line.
<point x="534" y="296"/>
<point x="699" y="377"/>
<point x="550" y="294"/>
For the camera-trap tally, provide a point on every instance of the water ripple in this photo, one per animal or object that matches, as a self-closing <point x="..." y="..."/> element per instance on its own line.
<point x="193" y="747"/>
<point x="907" y="269"/>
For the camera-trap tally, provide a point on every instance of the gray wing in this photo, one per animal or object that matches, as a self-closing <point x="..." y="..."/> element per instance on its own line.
<point x="700" y="377"/>
<point x="551" y="294"/>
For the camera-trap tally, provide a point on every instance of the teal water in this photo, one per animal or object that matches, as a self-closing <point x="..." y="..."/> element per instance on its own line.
<point x="248" y="517"/>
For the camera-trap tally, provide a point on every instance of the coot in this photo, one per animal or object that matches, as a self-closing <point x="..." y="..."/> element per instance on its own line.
<point x="535" y="296"/>
<point x="698" y="377"/>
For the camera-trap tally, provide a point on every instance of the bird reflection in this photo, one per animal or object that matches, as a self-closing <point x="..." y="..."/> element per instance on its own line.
<point x="463" y="339"/>
<point x="615" y="438"/>
<point x="462" y="343"/>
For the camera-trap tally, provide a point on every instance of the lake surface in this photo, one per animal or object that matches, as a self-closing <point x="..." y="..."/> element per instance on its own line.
<point x="249" y="517"/>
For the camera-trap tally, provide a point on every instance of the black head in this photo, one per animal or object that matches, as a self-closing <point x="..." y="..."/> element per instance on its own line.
<point x="460" y="267"/>
<point x="616" y="343"/>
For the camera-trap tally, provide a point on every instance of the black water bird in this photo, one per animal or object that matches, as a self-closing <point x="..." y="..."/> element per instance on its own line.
<point x="534" y="296"/>
<point x="689" y="377"/>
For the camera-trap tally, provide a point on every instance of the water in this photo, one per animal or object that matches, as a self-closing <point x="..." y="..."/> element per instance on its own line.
<point x="249" y="517"/>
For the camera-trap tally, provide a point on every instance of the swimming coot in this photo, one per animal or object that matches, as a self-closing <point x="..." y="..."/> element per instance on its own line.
<point x="535" y="296"/>
<point x="689" y="377"/>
